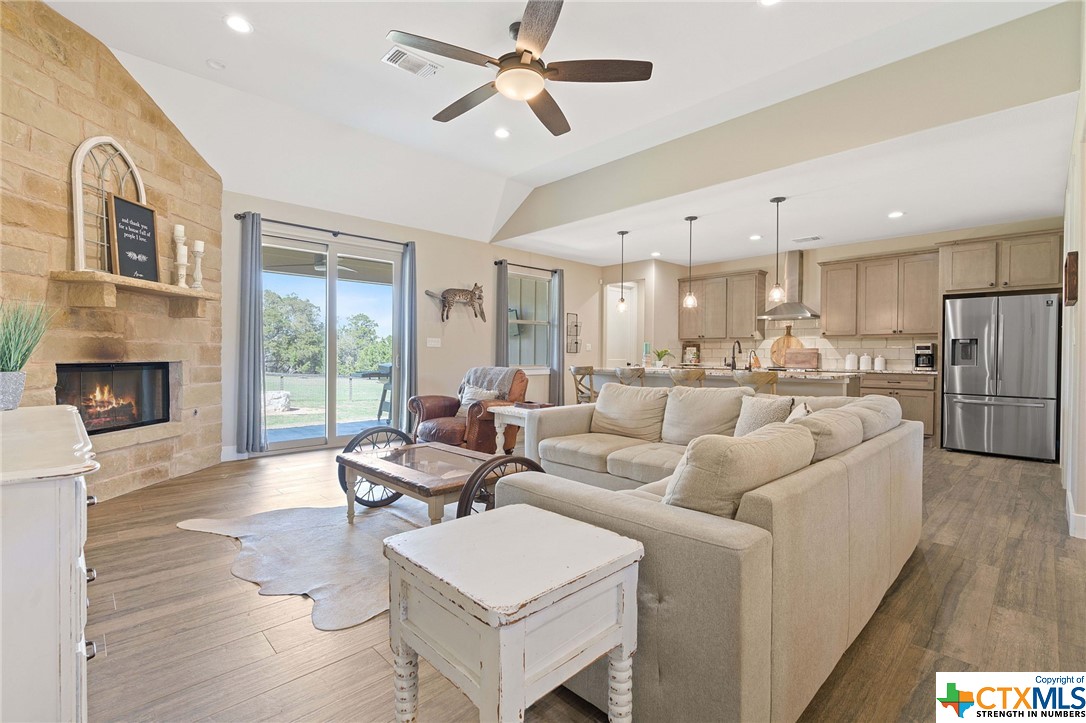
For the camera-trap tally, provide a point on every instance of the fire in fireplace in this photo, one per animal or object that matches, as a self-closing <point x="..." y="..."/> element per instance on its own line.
<point x="116" y="396"/>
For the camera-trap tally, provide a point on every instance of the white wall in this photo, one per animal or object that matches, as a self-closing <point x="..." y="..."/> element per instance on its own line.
<point x="443" y="262"/>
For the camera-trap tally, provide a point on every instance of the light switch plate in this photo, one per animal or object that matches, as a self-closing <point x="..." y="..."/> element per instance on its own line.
<point x="433" y="341"/>
<point x="587" y="347"/>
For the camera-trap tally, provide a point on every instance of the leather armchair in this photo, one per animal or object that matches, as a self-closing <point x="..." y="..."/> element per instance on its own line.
<point x="436" y="420"/>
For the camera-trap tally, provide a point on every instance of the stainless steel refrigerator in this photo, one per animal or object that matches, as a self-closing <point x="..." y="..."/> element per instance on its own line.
<point x="1000" y="372"/>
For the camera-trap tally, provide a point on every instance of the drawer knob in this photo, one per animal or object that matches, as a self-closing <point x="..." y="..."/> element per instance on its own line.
<point x="991" y="283"/>
<point x="91" y="500"/>
<point x="92" y="574"/>
<point x="91" y="649"/>
<point x="1005" y="283"/>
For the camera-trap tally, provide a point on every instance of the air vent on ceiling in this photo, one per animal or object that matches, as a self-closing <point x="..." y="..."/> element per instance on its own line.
<point x="414" y="64"/>
<point x="806" y="239"/>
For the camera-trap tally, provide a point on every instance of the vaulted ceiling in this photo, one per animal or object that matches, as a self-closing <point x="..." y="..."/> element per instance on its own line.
<point x="853" y="106"/>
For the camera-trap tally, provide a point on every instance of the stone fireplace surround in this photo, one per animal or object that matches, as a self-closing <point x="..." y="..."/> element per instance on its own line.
<point x="61" y="86"/>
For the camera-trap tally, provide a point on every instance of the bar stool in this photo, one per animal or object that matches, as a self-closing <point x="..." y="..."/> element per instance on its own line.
<point x="687" y="377"/>
<point x="583" y="383"/>
<point x="757" y="380"/>
<point x="628" y="375"/>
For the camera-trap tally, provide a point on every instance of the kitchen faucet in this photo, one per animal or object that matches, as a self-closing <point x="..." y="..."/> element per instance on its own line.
<point x="735" y="344"/>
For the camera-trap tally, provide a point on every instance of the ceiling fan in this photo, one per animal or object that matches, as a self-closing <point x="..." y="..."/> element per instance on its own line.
<point x="522" y="73"/>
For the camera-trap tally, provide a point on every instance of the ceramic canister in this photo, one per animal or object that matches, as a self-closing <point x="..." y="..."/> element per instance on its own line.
<point x="865" y="363"/>
<point x="851" y="362"/>
<point x="880" y="363"/>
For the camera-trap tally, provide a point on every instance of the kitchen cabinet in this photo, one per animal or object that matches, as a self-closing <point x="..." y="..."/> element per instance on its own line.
<point x="1030" y="261"/>
<point x="1016" y="262"/>
<point x="898" y="295"/>
<point x="838" y="311"/>
<point x="914" y="392"/>
<point x="877" y="297"/>
<point x="728" y="307"/>
<point x="969" y="266"/>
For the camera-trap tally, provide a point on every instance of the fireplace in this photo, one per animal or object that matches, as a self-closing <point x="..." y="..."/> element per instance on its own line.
<point x="116" y="396"/>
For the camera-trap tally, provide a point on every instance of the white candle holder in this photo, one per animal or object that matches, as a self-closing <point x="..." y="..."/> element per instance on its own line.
<point x="182" y="272"/>
<point x="197" y="271"/>
<point x="179" y="248"/>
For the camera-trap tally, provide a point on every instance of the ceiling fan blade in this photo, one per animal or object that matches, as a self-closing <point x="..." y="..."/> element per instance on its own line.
<point x="548" y="112"/>
<point x="466" y="103"/>
<point x="439" y="48"/>
<point x="599" y="71"/>
<point x="537" y="24"/>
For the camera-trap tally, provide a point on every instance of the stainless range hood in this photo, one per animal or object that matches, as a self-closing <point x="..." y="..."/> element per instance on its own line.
<point x="792" y="309"/>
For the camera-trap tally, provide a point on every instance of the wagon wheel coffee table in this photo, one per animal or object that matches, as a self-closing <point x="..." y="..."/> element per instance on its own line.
<point x="381" y="464"/>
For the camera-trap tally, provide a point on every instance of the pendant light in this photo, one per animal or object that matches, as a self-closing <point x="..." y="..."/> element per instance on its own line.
<point x="622" y="272"/>
<point x="690" y="301"/>
<point x="776" y="294"/>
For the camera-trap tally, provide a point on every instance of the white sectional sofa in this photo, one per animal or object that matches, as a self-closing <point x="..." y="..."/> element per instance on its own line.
<point x="742" y="613"/>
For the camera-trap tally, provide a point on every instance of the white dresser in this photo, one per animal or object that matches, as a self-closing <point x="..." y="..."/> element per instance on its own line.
<point x="44" y="455"/>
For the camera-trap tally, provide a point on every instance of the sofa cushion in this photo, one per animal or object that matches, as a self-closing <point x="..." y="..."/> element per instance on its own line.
<point x="630" y="411"/>
<point x="447" y="430"/>
<point x="717" y="471"/>
<point x="645" y="462"/>
<point x="833" y="431"/>
<point x="816" y="403"/>
<point x="587" y="451"/>
<point x="760" y="411"/>
<point x="692" y="412"/>
<point x="878" y="414"/>
<point x="658" y="488"/>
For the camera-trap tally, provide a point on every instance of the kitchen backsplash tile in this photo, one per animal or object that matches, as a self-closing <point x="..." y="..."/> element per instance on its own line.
<point x="898" y="351"/>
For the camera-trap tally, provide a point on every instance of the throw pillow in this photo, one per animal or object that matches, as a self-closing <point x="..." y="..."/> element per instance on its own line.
<point x="470" y="395"/>
<point x="833" y="431"/>
<point x="692" y="412"/>
<point x="717" y="471"/>
<point x="799" y="411"/>
<point x="636" y="412"/>
<point x="760" y="411"/>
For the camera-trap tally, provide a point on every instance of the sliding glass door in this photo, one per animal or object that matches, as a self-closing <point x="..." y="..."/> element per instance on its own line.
<point x="331" y="356"/>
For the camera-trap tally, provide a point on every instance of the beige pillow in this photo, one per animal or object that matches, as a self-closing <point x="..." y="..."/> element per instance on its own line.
<point x="760" y="411"/>
<point x="636" y="412"/>
<point x="818" y="403"/>
<point x="717" y="471"/>
<point x="693" y="412"/>
<point x="878" y="414"/>
<point x="472" y="394"/>
<point x="833" y="430"/>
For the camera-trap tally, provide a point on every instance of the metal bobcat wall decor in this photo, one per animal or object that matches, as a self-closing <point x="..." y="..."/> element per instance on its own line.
<point x="473" y="297"/>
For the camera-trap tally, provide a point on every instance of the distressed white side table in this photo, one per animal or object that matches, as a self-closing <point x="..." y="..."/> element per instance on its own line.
<point x="505" y="415"/>
<point x="510" y="604"/>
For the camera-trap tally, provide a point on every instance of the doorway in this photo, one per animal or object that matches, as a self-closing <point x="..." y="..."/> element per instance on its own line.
<point x="331" y="352"/>
<point x="624" y="330"/>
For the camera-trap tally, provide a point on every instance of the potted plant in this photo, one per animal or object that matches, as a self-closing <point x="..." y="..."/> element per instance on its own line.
<point x="22" y="326"/>
<point x="662" y="354"/>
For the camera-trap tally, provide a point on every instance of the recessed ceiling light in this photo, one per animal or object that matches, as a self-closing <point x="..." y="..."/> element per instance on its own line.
<point x="654" y="254"/>
<point x="755" y="237"/>
<point x="216" y="64"/>
<point x="895" y="214"/>
<point x="238" y="24"/>
<point x="767" y="3"/>
<point x="501" y="133"/>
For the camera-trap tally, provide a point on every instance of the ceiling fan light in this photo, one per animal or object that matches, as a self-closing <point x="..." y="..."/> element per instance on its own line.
<point x="776" y="294"/>
<point x="690" y="301"/>
<point x="519" y="83"/>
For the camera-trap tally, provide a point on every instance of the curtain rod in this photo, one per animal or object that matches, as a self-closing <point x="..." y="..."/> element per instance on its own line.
<point x="335" y="234"/>
<point x="524" y="266"/>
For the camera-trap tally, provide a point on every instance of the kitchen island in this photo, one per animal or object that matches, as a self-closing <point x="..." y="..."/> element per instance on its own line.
<point x="801" y="383"/>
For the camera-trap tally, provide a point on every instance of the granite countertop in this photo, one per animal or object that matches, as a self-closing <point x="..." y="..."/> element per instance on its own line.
<point x="819" y="375"/>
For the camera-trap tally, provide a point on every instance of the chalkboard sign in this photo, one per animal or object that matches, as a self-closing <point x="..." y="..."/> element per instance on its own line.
<point x="132" y="239"/>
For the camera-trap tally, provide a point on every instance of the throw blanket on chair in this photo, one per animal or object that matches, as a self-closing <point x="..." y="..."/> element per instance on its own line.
<point x="498" y="379"/>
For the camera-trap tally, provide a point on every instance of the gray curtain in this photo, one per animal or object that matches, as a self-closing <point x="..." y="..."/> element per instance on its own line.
<point x="409" y="360"/>
<point x="251" y="435"/>
<point x="558" y="339"/>
<point x="501" y="315"/>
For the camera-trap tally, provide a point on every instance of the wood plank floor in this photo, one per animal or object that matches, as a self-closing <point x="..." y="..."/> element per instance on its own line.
<point x="995" y="585"/>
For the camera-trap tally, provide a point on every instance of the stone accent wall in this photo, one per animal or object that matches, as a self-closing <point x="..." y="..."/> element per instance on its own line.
<point x="61" y="86"/>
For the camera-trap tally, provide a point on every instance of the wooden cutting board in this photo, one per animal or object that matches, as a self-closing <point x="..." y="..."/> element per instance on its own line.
<point x="801" y="359"/>
<point x="780" y="346"/>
